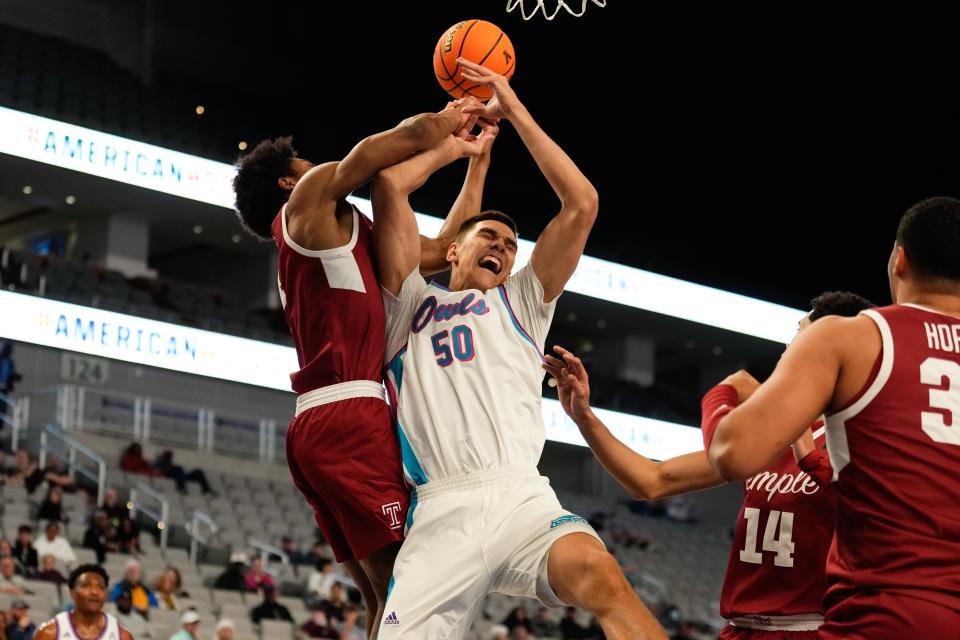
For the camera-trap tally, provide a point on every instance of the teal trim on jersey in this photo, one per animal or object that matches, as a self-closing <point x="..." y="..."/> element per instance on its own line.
<point x="516" y="323"/>
<point x="396" y="368"/>
<point x="409" y="459"/>
<point x="393" y="580"/>
<point x="410" y="510"/>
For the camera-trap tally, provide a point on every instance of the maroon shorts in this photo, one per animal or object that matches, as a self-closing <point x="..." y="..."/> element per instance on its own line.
<point x="880" y="615"/>
<point x="731" y="632"/>
<point x="345" y="460"/>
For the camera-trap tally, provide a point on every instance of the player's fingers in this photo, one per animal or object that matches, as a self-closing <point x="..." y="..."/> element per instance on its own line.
<point x="575" y="364"/>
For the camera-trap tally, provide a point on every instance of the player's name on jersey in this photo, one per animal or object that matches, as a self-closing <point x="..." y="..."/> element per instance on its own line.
<point x="772" y="483"/>
<point x="943" y="337"/>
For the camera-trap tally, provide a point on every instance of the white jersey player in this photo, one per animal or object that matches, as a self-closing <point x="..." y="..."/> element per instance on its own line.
<point x="464" y="372"/>
<point x="87" y="621"/>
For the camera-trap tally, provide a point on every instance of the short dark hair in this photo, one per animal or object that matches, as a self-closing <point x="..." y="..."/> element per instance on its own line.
<point x="489" y="214"/>
<point x="838" y="303"/>
<point x="87" y="568"/>
<point x="259" y="197"/>
<point x="24" y="528"/>
<point x="929" y="233"/>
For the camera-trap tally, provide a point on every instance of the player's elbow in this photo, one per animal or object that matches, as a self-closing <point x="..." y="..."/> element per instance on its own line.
<point x="724" y="457"/>
<point x="583" y="206"/>
<point x="389" y="182"/>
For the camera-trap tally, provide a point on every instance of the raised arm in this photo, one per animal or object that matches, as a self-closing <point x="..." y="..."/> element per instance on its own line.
<point x="801" y="389"/>
<point x="561" y="244"/>
<point x="643" y="478"/>
<point x="395" y="230"/>
<point x="433" y="251"/>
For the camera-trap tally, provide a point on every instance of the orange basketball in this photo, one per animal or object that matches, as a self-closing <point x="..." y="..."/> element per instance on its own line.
<point x="478" y="41"/>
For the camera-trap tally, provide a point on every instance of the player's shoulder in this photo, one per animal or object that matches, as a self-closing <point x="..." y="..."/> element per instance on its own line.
<point x="315" y="184"/>
<point x="841" y="330"/>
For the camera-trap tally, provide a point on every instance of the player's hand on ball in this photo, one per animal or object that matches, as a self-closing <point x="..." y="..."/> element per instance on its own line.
<point x="504" y="101"/>
<point x="573" y="383"/>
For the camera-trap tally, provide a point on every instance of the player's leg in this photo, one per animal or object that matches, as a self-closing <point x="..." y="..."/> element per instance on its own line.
<point x="581" y="572"/>
<point x="367" y="592"/>
<point x="439" y="577"/>
<point x="556" y="557"/>
<point x="298" y="453"/>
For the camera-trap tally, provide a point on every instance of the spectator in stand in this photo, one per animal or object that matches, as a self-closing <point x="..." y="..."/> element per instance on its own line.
<point x="256" y="578"/>
<point x="165" y="465"/>
<point x="6" y="549"/>
<point x="20" y="626"/>
<point x="23" y="551"/>
<point x="8" y="373"/>
<point x="351" y="629"/>
<point x="116" y="510"/>
<point x="335" y="605"/>
<point x="168" y="589"/>
<point x="234" y="576"/>
<point x="57" y="475"/>
<point x="48" y="571"/>
<point x="129" y="619"/>
<point x="190" y="623"/>
<point x="141" y="597"/>
<point x="128" y="537"/>
<point x="100" y="536"/>
<point x="24" y="470"/>
<point x="54" y="544"/>
<point x="518" y="618"/>
<point x="51" y="509"/>
<point x="224" y="630"/>
<point x="293" y="552"/>
<point x="319" y="551"/>
<point x="594" y="631"/>
<point x="520" y="633"/>
<point x="10" y="583"/>
<point x="570" y="629"/>
<point x="543" y="626"/>
<point x="499" y="632"/>
<point x="132" y="461"/>
<point x="321" y="579"/>
<point x="318" y="626"/>
<point x="270" y="609"/>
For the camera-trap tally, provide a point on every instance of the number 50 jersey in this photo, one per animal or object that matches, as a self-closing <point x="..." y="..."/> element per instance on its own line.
<point x="464" y="375"/>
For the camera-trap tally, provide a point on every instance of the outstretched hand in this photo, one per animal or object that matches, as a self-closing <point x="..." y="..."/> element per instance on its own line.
<point x="573" y="383"/>
<point x="504" y="102"/>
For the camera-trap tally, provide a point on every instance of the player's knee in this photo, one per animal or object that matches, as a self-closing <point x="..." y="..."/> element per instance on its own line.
<point x="604" y="584"/>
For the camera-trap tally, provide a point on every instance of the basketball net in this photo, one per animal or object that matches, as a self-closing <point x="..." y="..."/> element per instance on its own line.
<point x="541" y="5"/>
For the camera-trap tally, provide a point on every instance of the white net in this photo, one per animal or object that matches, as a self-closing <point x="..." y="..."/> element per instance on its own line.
<point x="530" y="8"/>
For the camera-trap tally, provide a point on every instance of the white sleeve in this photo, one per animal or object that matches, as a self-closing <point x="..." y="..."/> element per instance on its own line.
<point x="400" y="311"/>
<point x="525" y="297"/>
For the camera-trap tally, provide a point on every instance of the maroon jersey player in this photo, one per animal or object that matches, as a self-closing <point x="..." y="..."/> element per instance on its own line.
<point x="889" y="382"/>
<point x="341" y="449"/>
<point x="774" y="583"/>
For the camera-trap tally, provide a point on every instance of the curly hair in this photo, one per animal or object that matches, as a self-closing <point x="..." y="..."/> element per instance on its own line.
<point x="259" y="197"/>
<point x="838" y="303"/>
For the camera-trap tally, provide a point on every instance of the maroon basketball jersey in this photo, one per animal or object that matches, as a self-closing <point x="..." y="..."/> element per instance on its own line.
<point x="895" y="452"/>
<point x="334" y="308"/>
<point x="779" y="550"/>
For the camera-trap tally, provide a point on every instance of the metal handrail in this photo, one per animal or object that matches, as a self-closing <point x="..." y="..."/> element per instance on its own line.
<point x="270" y="550"/>
<point x="161" y="517"/>
<point x="196" y="537"/>
<point x="70" y="450"/>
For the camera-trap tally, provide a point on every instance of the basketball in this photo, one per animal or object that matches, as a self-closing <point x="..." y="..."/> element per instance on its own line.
<point x="478" y="41"/>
